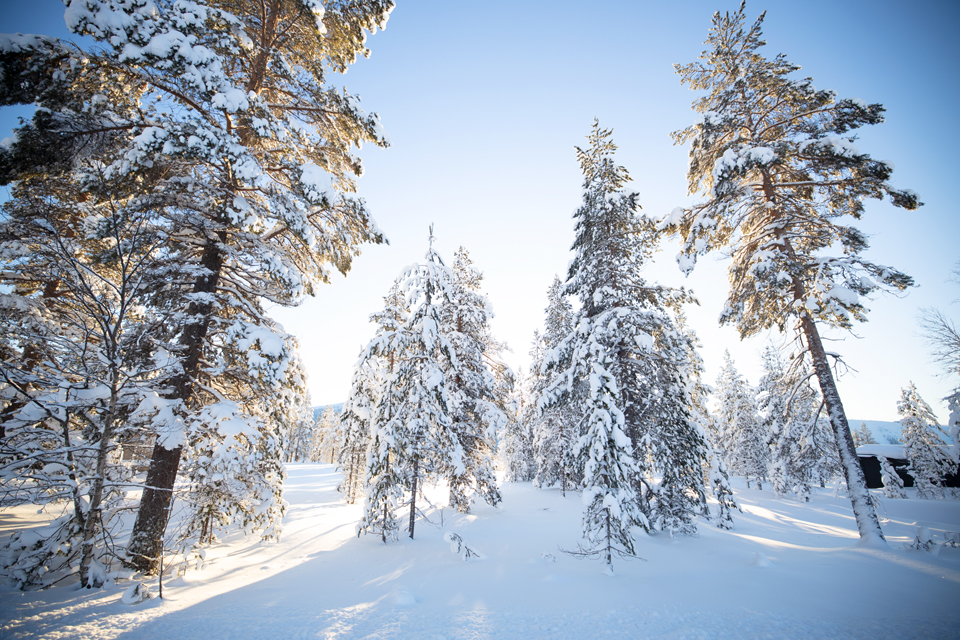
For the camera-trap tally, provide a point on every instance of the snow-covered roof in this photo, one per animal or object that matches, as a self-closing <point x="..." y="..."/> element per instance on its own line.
<point x="896" y="451"/>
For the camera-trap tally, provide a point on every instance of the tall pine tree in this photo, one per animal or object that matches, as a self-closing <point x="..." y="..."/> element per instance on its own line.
<point x="778" y="167"/>
<point x="621" y="368"/>
<point x="477" y="399"/>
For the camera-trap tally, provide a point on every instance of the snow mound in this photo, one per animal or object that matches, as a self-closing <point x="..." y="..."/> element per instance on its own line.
<point x="135" y="594"/>
<point x="403" y="598"/>
<point x="760" y="560"/>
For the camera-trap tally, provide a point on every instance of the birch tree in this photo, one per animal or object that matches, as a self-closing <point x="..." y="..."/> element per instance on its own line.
<point x="77" y="359"/>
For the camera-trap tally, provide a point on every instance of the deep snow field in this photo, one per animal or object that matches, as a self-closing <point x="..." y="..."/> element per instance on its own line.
<point x="788" y="570"/>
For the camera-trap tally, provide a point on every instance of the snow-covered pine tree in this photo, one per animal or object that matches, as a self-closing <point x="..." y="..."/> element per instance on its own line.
<point x="892" y="482"/>
<point x="327" y="437"/>
<point x="778" y="167"/>
<point x="611" y="503"/>
<point x="299" y="435"/>
<point x="822" y="443"/>
<point x="516" y="450"/>
<point x="413" y="440"/>
<point x="953" y="421"/>
<point x="233" y="450"/>
<point x="862" y="436"/>
<point x="924" y="440"/>
<point x="367" y="387"/>
<point x="293" y="410"/>
<point x="621" y="366"/>
<point x="740" y="434"/>
<point x="786" y="403"/>
<point x="555" y="430"/>
<point x="477" y="401"/>
<point x="679" y="449"/>
<point x="355" y="430"/>
<point x="383" y="475"/>
<point x="713" y="467"/>
<point x="229" y="122"/>
<point x="719" y="481"/>
<point x="772" y="403"/>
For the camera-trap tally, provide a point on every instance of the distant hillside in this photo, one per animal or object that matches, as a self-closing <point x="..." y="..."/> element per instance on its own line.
<point x="337" y="408"/>
<point x="883" y="432"/>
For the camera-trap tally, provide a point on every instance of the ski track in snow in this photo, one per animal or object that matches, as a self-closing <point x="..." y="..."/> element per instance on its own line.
<point x="788" y="570"/>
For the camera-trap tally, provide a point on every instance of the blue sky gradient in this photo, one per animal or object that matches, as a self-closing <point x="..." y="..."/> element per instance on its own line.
<point x="484" y="103"/>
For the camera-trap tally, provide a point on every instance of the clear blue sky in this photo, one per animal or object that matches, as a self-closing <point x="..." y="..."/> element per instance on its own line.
<point x="484" y="103"/>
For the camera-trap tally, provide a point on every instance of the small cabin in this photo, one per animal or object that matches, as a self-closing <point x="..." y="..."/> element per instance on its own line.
<point x="870" y="454"/>
<point x="896" y="454"/>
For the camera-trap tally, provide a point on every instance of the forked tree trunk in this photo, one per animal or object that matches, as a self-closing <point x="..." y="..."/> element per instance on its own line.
<point x="863" y="510"/>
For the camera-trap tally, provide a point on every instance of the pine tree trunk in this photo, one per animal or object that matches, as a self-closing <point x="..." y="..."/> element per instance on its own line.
<point x="146" y="540"/>
<point x="413" y="496"/>
<point x="609" y="558"/>
<point x="863" y="511"/>
<point x="563" y="463"/>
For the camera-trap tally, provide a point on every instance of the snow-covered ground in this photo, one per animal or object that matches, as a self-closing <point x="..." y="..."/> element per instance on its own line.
<point x="788" y="570"/>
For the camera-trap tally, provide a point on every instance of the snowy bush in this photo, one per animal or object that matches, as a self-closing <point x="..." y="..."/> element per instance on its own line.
<point x="459" y="547"/>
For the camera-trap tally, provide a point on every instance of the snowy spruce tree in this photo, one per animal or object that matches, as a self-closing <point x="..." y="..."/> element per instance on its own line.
<point x="478" y="384"/>
<point x="366" y="388"/>
<point x="924" y="441"/>
<point x="773" y="399"/>
<point x="779" y="168"/>
<point x="862" y="435"/>
<point x="892" y="482"/>
<point x="414" y="437"/>
<point x="714" y="469"/>
<point x="739" y="431"/>
<point x="327" y="436"/>
<point x="622" y="366"/>
<point x="299" y="434"/>
<point x="681" y="453"/>
<point x="820" y="450"/>
<point x="787" y="405"/>
<point x="555" y="429"/>
<point x="516" y="451"/>
<point x="232" y="467"/>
